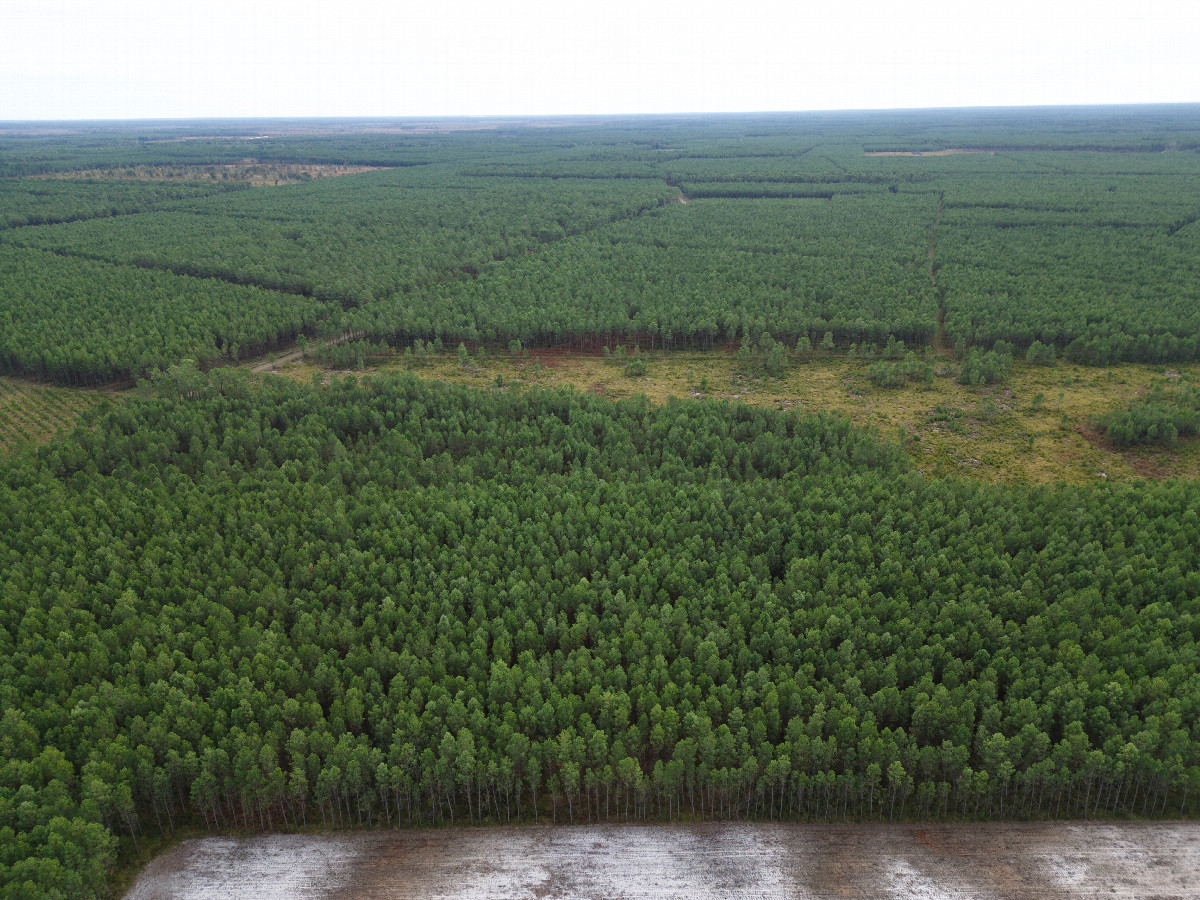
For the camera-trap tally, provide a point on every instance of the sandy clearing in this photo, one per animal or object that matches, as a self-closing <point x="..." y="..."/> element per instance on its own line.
<point x="956" y="151"/>
<point x="296" y="867"/>
<point x="269" y="365"/>
<point x="994" y="861"/>
<point x="252" y="172"/>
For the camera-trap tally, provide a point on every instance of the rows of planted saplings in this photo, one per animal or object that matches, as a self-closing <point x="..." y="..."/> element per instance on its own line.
<point x="30" y="414"/>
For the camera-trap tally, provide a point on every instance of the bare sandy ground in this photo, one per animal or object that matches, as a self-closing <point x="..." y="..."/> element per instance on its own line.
<point x="765" y="862"/>
<point x="956" y="151"/>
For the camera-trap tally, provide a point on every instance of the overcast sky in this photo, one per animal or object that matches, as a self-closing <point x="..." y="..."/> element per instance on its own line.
<point x="70" y="59"/>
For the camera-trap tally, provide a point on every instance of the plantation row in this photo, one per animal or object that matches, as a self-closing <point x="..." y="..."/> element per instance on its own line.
<point x="395" y="601"/>
<point x="568" y="236"/>
<point x="41" y="202"/>
<point x="697" y="275"/>
<point x="1104" y="262"/>
<point x="82" y="322"/>
<point x="358" y="237"/>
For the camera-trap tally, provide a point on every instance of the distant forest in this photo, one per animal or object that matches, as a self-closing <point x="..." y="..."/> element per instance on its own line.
<point x="1075" y="228"/>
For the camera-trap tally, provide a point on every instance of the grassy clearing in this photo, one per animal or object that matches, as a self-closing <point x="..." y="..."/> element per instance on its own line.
<point x="999" y="433"/>
<point x="253" y="173"/>
<point x="32" y="413"/>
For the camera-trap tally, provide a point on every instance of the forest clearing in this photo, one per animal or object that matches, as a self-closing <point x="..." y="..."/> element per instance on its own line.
<point x="1034" y="428"/>
<point x="995" y="861"/>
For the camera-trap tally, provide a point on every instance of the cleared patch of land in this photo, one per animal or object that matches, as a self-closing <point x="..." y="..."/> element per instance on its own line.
<point x="32" y="413"/>
<point x="955" y="151"/>
<point x="1013" y="861"/>
<point x="251" y="172"/>
<point x="1032" y="428"/>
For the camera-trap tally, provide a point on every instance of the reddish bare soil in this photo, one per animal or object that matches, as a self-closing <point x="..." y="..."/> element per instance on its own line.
<point x="918" y="862"/>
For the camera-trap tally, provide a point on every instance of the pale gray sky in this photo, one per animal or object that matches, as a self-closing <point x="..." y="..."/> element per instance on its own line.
<point x="68" y="59"/>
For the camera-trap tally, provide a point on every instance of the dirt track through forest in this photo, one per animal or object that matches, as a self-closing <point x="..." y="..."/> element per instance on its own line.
<point x="269" y="365"/>
<point x="915" y="862"/>
<point x="939" y="338"/>
<point x="937" y="220"/>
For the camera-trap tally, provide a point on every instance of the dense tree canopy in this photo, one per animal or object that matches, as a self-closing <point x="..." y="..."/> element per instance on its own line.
<point x="79" y="321"/>
<point x="244" y="606"/>
<point x="1075" y="229"/>
<point x="355" y="238"/>
<point x="40" y="202"/>
<point x="699" y="275"/>
<point x="389" y="601"/>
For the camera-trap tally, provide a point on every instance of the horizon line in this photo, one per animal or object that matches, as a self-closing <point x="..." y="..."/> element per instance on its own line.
<point x="604" y="115"/>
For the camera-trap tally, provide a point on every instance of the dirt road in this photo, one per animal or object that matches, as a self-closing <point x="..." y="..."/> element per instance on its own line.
<point x="269" y="365"/>
<point x="929" y="862"/>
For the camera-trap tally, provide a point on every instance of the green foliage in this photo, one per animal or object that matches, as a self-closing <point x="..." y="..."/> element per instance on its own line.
<point x="897" y="374"/>
<point x="979" y="368"/>
<point x="894" y="349"/>
<point x="765" y="356"/>
<point x="32" y="413"/>
<point x="570" y="237"/>
<point x="689" y="275"/>
<point x="386" y="602"/>
<point x="356" y="238"/>
<point x="1167" y="413"/>
<point x="1040" y="354"/>
<point x="1091" y="257"/>
<point x="389" y="601"/>
<point x="41" y="202"/>
<point x="774" y="356"/>
<point x="356" y="354"/>
<point x="421" y="352"/>
<point x="79" y="322"/>
<point x="632" y="363"/>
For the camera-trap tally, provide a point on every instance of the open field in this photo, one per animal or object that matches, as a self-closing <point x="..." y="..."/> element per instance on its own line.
<point x="1015" y="862"/>
<point x="32" y="413"/>
<point x="997" y="433"/>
